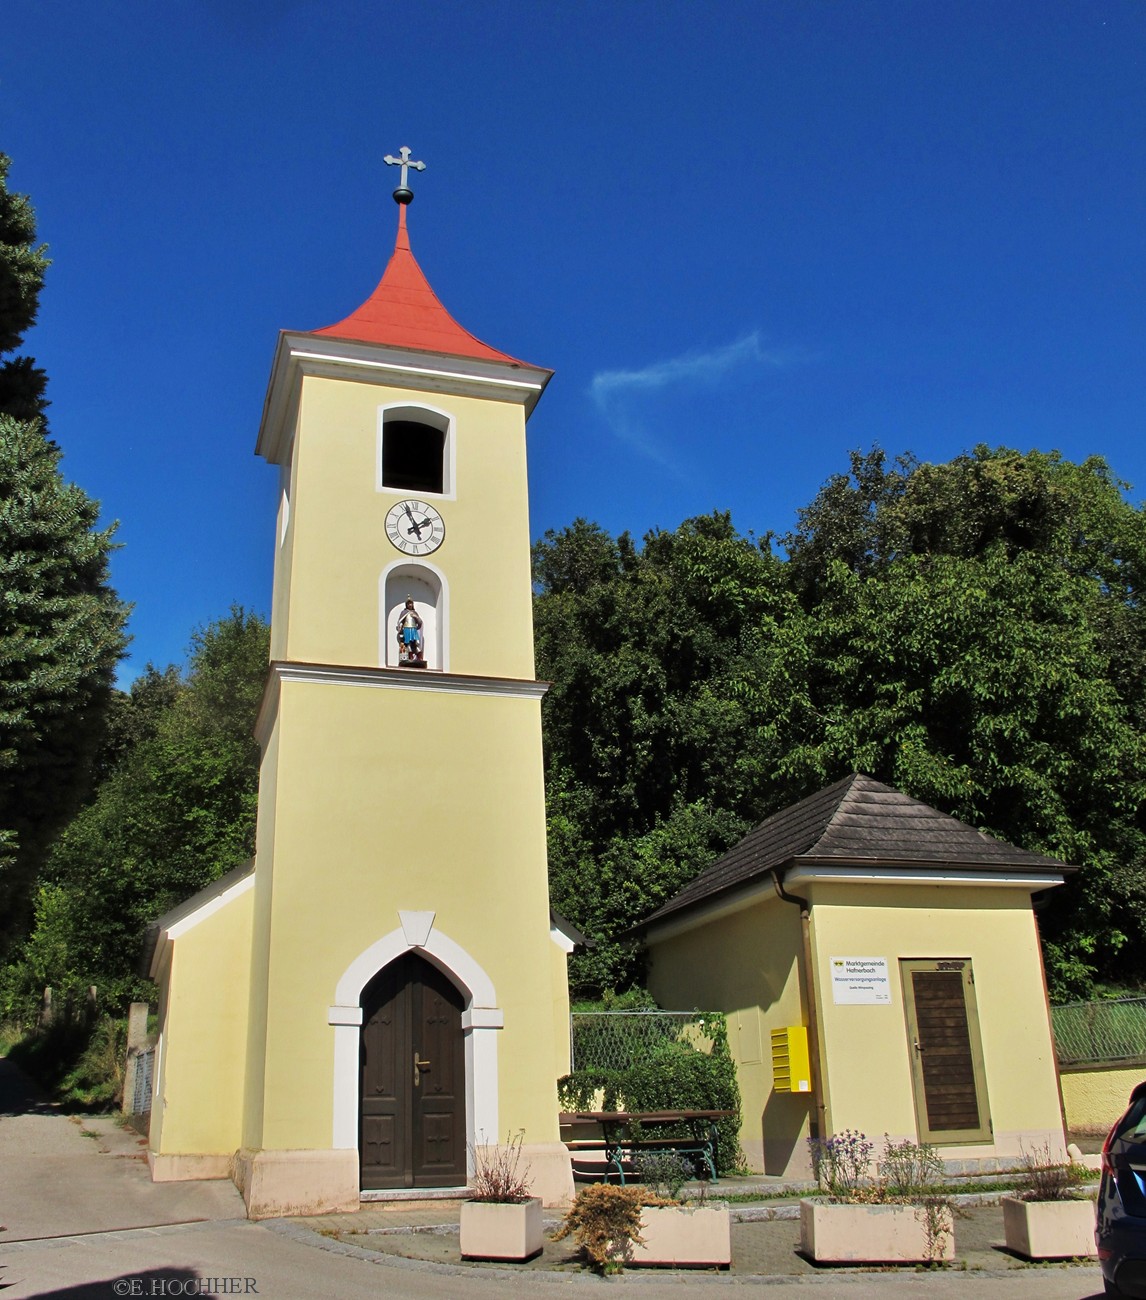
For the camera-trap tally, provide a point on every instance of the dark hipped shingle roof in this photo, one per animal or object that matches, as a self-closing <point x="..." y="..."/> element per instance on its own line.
<point x="857" y="821"/>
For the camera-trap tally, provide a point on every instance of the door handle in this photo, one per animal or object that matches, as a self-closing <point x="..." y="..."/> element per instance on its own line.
<point x="918" y="1046"/>
<point x="419" y="1067"/>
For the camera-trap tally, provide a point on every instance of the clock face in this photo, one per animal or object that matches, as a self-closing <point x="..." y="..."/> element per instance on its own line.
<point x="415" y="528"/>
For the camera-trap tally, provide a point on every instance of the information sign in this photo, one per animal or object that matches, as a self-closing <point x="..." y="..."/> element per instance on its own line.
<point x="861" y="981"/>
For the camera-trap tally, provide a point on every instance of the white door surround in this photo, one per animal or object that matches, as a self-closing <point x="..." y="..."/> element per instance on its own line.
<point x="480" y="1021"/>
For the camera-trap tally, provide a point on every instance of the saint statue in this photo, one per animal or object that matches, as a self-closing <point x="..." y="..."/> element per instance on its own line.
<point x="409" y="630"/>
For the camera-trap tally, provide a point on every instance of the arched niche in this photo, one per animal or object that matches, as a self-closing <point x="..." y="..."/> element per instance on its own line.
<point x="427" y="586"/>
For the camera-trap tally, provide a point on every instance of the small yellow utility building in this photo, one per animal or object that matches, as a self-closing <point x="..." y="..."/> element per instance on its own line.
<point x="879" y="963"/>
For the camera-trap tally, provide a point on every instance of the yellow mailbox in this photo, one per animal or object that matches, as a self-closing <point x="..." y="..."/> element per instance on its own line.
<point x="791" y="1071"/>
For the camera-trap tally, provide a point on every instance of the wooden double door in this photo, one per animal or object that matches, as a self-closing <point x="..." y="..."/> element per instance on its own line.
<point x="412" y="1131"/>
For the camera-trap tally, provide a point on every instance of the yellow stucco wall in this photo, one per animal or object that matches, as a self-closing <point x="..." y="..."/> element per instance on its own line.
<point x="203" y="1025"/>
<point x="336" y="547"/>
<point x="559" y="985"/>
<point x="382" y="798"/>
<point x="255" y="1079"/>
<point x="865" y="1049"/>
<point x="747" y="965"/>
<point x="363" y="780"/>
<point x="1095" y="1097"/>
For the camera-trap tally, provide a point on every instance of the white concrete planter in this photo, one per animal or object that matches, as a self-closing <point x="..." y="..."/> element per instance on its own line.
<point x="502" y="1230"/>
<point x="836" y="1233"/>
<point x="1049" y="1229"/>
<point x="682" y="1236"/>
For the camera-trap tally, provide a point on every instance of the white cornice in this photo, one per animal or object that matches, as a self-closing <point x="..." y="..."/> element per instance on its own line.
<point x="801" y="875"/>
<point x="209" y="907"/>
<point x="997" y="878"/>
<point x="756" y="891"/>
<point x="395" y="679"/>
<point x="374" y="363"/>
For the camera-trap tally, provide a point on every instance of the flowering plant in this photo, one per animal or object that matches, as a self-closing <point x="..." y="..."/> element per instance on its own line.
<point x="841" y="1163"/>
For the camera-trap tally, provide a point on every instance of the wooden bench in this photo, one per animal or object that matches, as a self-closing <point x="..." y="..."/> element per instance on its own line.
<point x="618" y="1142"/>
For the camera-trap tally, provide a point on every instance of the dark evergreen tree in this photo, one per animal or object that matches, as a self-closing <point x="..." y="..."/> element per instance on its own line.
<point x="61" y="625"/>
<point x="22" y="267"/>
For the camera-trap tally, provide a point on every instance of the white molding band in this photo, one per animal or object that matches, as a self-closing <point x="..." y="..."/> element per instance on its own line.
<point x="481" y="1020"/>
<point x="762" y="888"/>
<point x="394" y="679"/>
<point x="298" y="355"/>
<point x="561" y="939"/>
<point x="945" y="875"/>
<point x="210" y="907"/>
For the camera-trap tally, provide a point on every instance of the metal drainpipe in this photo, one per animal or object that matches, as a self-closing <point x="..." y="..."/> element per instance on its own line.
<point x="819" y="1125"/>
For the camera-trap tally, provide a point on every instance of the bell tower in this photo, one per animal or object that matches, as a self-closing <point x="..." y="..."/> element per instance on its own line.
<point x="407" y="999"/>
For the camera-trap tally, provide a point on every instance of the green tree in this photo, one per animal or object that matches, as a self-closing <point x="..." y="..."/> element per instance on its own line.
<point x="175" y="812"/>
<point x="974" y="635"/>
<point x="61" y="635"/>
<point x="22" y="267"/>
<point x="61" y="625"/>
<point x="655" y="728"/>
<point x="970" y="632"/>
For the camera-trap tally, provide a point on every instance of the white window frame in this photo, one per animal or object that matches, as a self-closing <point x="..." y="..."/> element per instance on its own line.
<point x="435" y="418"/>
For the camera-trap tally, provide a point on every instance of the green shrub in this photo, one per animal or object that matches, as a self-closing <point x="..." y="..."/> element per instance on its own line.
<point x="676" y="1075"/>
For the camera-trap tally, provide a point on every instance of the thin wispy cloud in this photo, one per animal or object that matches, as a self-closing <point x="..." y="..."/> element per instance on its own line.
<point x="617" y="393"/>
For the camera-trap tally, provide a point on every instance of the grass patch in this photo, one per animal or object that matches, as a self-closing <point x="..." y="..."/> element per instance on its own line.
<point x="80" y="1066"/>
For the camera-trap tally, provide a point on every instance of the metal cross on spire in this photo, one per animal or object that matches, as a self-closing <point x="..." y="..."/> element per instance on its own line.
<point x="404" y="194"/>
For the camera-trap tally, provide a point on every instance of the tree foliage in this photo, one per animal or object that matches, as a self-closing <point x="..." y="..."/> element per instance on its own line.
<point x="175" y="811"/>
<point x="971" y="633"/>
<point x="61" y="625"/>
<point x="655" y="739"/>
<point x="22" y="267"/>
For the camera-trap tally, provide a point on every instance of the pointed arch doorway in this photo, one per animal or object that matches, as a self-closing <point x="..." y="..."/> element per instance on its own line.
<point x="412" y="1097"/>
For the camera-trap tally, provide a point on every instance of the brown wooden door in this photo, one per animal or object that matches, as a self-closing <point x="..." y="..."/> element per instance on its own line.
<point x="946" y="1051"/>
<point x="413" y="1125"/>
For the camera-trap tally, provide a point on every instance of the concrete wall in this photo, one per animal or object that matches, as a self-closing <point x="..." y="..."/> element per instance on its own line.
<point x="1094" y="1096"/>
<point x="361" y="782"/>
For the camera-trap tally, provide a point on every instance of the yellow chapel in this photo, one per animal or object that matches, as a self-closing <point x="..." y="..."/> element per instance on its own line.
<point x="383" y="989"/>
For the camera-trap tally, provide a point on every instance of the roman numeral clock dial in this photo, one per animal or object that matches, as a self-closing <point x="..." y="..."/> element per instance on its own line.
<point x="415" y="528"/>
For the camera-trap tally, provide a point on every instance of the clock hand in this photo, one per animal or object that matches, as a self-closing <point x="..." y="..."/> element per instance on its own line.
<point x="415" y="527"/>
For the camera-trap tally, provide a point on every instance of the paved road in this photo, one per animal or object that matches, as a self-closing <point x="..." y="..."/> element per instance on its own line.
<point x="281" y="1263"/>
<point x="83" y="1222"/>
<point x="62" y="1175"/>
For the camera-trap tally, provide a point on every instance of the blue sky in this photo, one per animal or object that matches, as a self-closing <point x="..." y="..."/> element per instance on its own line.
<point x="748" y="237"/>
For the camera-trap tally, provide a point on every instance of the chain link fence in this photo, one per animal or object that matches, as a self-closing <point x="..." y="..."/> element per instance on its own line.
<point x="618" y="1040"/>
<point x="143" y="1082"/>
<point x="1113" y="1029"/>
